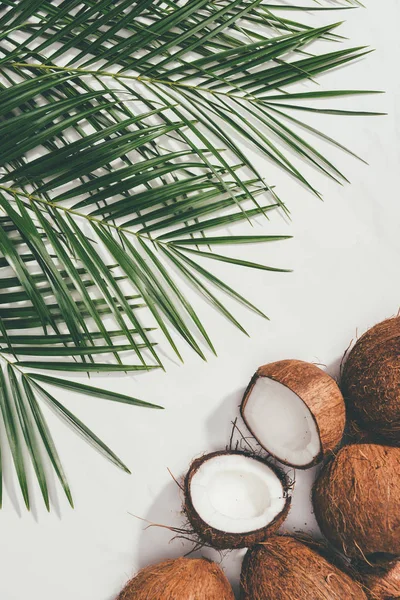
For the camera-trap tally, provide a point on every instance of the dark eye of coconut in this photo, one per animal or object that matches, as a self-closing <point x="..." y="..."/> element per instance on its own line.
<point x="281" y="422"/>
<point x="236" y="493"/>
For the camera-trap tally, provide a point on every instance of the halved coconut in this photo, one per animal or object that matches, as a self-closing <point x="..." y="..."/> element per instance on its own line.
<point x="295" y="411"/>
<point x="371" y="380"/>
<point x="283" y="568"/>
<point x="357" y="501"/>
<point x="179" y="579"/>
<point x="381" y="579"/>
<point x="235" y="500"/>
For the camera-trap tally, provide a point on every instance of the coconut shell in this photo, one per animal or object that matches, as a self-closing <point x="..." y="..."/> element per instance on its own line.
<point x="381" y="580"/>
<point x="179" y="579"/>
<point x="371" y="380"/>
<point x="357" y="501"/>
<point x="318" y="391"/>
<point x="283" y="568"/>
<point x="222" y="540"/>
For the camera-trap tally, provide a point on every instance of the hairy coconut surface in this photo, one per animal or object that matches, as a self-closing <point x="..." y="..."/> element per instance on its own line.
<point x="381" y="580"/>
<point x="357" y="501"/>
<point x="371" y="380"/>
<point x="235" y="499"/>
<point x="179" y="579"/>
<point x="283" y="568"/>
<point x="295" y="411"/>
<point x="356" y="434"/>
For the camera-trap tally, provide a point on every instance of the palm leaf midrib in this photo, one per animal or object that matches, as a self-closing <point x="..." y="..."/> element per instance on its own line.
<point x="248" y="97"/>
<point x="102" y="222"/>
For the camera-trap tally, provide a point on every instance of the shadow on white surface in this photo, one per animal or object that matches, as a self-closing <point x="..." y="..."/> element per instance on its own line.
<point x="158" y="543"/>
<point x="219" y="423"/>
<point x="334" y="367"/>
<point x="10" y="485"/>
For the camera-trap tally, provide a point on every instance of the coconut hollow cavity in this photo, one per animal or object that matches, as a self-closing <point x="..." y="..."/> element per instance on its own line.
<point x="179" y="579"/>
<point x="283" y="568"/>
<point x="357" y="501"/>
<point x="234" y="499"/>
<point x="371" y="381"/>
<point x="295" y="411"/>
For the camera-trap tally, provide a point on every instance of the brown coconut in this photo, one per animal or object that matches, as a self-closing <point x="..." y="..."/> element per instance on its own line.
<point x="179" y="579"/>
<point x="371" y="380"/>
<point x="318" y="391"/>
<point x="357" y="501"/>
<point x="381" y="579"/>
<point x="358" y="435"/>
<point x="217" y="537"/>
<point x="283" y="568"/>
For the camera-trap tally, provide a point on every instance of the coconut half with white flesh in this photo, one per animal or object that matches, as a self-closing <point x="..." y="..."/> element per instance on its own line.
<point x="234" y="499"/>
<point x="295" y="411"/>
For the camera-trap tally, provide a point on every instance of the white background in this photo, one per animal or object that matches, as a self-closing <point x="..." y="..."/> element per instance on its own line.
<point x="345" y="255"/>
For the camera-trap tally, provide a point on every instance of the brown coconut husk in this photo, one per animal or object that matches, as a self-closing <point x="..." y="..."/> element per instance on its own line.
<point x="381" y="579"/>
<point x="357" y="502"/>
<point x="222" y="540"/>
<point x="283" y="568"/>
<point x="318" y="391"/>
<point x="324" y="549"/>
<point x="358" y="435"/>
<point x="179" y="579"/>
<point x="371" y="380"/>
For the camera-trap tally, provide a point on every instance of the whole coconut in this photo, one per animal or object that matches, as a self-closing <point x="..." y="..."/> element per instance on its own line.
<point x="371" y="380"/>
<point x="381" y="580"/>
<point x="179" y="579"/>
<point x="357" y="501"/>
<point x="283" y="568"/>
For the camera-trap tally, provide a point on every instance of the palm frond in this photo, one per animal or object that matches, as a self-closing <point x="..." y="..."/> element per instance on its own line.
<point x="124" y="126"/>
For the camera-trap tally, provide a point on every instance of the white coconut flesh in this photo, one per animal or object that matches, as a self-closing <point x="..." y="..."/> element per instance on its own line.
<point x="282" y="423"/>
<point x="236" y="494"/>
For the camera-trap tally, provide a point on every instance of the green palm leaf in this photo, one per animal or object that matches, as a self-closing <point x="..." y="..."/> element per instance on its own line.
<point x="123" y="127"/>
